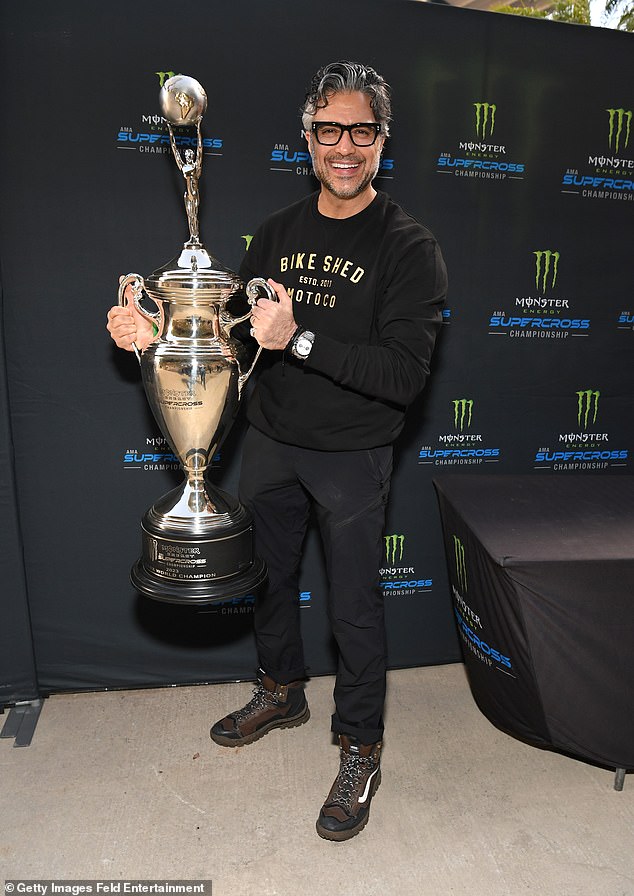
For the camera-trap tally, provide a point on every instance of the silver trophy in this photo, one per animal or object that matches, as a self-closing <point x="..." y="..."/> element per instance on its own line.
<point x="197" y="541"/>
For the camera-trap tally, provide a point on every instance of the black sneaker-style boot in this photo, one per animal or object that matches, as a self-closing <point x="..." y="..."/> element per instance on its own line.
<point x="272" y="706"/>
<point x="347" y="807"/>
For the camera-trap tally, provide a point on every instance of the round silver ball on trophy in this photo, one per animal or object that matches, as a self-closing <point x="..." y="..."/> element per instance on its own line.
<point x="197" y="541"/>
<point x="183" y="101"/>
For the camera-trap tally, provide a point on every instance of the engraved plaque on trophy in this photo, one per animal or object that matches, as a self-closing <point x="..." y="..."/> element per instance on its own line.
<point x="197" y="541"/>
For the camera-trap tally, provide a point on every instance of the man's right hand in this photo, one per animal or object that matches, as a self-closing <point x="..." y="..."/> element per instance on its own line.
<point x="126" y="326"/>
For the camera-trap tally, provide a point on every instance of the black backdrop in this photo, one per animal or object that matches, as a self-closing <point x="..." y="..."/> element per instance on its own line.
<point x="503" y="144"/>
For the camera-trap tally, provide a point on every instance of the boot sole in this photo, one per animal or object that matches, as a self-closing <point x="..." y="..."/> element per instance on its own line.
<point x="349" y="833"/>
<point x="226" y="741"/>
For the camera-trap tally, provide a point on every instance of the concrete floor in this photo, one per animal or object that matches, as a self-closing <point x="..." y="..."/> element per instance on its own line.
<point x="128" y="785"/>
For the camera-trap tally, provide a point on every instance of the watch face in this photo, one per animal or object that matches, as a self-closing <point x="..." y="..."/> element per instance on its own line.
<point x="304" y="343"/>
<point x="304" y="346"/>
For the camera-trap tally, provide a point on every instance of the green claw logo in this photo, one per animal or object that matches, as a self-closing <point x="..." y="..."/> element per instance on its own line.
<point x="163" y="76"/>
<point x="462" y="410"/>
<point x="461" y="565"/>
<point x="484" y="118"/>
<point x="394" y="548"/>
<point x="619" y="118"/>
<point x="587" y="407"/>
<point x="546" y="267"/>
<point x="247" y="237"/>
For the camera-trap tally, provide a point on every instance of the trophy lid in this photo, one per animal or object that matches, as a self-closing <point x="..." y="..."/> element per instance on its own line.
<point x="192" y="276"/>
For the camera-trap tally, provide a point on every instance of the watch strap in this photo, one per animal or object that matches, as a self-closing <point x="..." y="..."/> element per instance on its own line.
<point x="289" y="344"/>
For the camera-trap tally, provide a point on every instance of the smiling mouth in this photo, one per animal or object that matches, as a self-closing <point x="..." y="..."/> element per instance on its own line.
<point x="345" y="166"/>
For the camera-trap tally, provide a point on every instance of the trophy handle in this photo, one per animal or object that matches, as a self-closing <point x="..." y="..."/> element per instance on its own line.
<point x="137" y="285"/>
<point x="254" y="289"/>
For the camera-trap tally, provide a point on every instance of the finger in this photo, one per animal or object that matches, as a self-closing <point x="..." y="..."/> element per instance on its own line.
<point x="122" y="332"/>
<point x="120" y="320"/>
<point x="119" y="314"/>
<point x="280" y="291"/>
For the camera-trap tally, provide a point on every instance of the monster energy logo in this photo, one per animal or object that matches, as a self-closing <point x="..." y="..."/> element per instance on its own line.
<point x="163" y="76"/>
<point x="485" y="117"/>
<point x="462" y="408"/>
<point x="587" y="407"/>
<point x="546" y="265"/>
<point x="619" y="118"/>
<point x="247" y="237"/>
<point x="461" y="566"/>
<point x="394" y="548"/>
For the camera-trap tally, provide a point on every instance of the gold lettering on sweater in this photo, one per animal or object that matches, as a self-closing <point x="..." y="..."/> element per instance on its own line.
<point x="312" y="297"/>
<point x="302" y="261"/>
<point x="329" y="264"/>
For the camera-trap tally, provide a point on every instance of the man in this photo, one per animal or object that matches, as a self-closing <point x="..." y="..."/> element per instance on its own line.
<point x="360" y="287"/>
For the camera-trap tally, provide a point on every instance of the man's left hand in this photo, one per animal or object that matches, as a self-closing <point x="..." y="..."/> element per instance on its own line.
<point x="273" y="323"/>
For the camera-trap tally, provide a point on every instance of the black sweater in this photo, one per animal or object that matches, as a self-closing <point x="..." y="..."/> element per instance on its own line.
<point x="371" y="288"/>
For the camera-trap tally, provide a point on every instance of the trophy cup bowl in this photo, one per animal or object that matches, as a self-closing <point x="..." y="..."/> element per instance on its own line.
<point x="197" y="541"/>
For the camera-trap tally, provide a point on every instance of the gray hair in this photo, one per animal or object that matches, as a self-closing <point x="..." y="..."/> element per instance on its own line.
<point x="348" y="77"/>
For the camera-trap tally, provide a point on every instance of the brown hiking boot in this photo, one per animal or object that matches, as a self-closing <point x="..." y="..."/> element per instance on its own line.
<point x="347" y="807"/>
<point x="272" y="706"/>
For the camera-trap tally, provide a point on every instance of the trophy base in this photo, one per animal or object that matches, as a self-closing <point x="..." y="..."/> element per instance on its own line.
<point x="153" y="586"/>
<point x="201" y="558"/>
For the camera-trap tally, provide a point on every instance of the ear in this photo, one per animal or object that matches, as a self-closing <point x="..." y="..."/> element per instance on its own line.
<point x="309" y="140"/>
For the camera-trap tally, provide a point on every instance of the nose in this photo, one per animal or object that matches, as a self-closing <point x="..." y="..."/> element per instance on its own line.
<point x="345" y="144"/>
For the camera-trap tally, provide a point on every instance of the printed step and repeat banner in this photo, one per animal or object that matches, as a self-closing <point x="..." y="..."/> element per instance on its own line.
<point x="512" y="141"/>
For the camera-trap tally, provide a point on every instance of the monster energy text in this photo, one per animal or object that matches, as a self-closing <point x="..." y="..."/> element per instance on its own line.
<point x="540" y="303"/>
<point x="482" y="149"/>
<point x="611" y="165"/>
<point x="466" y="610"/>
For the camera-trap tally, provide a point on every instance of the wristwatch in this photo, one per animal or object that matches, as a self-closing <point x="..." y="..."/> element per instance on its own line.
<point x="302" y="344"/>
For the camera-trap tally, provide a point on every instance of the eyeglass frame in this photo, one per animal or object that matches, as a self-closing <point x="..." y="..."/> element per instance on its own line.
<point x="375" y="125"/>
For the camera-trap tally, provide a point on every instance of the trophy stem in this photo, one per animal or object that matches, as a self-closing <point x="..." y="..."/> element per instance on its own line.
<point x="198" y="498"/>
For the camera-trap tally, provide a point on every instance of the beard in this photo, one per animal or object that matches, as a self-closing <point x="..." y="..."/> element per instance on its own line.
<point x="342" y="189"/>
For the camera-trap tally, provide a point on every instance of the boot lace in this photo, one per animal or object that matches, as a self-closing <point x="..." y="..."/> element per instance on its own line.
<point x="260" y="700"/>
<point x="352" y="776"/>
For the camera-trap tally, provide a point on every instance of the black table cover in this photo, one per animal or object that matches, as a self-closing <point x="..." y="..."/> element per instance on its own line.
<point x="542" y="580"/>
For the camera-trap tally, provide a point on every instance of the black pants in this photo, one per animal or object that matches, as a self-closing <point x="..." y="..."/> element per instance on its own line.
<point x="349" y="490"/>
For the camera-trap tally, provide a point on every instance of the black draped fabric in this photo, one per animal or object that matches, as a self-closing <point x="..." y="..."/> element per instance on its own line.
<point x="18" y="679"/>
<point x="542" y="575"/>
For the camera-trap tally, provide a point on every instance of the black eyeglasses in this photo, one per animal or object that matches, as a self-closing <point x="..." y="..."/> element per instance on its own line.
<point x="329" y="133"/>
